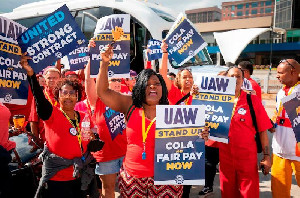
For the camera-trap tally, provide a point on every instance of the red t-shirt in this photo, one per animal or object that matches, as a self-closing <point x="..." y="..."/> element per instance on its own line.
<point x="111" y="129"/>
<point x="241" y="132"/>
<point x="133" y="163"/>
<point x="62" y="142"/>
<point x="175" y="95"/>
<point x="255" y="87"/>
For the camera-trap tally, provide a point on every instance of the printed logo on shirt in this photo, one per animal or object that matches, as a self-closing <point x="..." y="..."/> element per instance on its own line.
<point x="115" y="122"/>
<point x="73" y="131"/>
<point x="242" y="111"/>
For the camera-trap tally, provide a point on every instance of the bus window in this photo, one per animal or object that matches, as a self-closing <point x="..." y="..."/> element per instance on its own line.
<point x="29" y="21"/>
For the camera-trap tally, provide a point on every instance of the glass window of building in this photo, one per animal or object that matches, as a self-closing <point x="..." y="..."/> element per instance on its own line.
<point x="254" y="4"/>
<point x="268" y="10"/>
<point x="254" y="11"/>
<point x="247" y="13"/>
<point x="239" y="13"/>
<point x="233" y="7"/>
<point x="232" y="14"/>
<point x="247" y="5"/>
<point x="240" y="6"/>
<point x="262" y="10"/>
<point x="262" y="4"/>
<point x="268" y="3"/>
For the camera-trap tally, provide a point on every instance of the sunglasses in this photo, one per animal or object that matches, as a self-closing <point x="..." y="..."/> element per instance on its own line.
<point x="65" y="93"/>
<point x="286" y="61"/>
<point x="115" y="80"/>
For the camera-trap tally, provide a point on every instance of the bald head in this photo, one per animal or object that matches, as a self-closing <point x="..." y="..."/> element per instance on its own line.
<point x="288" y="72"/>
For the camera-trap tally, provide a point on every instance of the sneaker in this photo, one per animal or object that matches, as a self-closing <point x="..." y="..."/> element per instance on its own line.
<point x="206" y="191"/>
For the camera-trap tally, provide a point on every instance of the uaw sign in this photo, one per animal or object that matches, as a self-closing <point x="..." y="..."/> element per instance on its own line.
<point x="291" y="104"/>
<point x="13" y="79"/>
<point x="217" y="94"/>
<point x="119" y="65"/>
<point x="179" y="151"/>
<point x="154" y="51"/>
<point x="51" y="38"/>
<point x="183" y="41"/>
<point x="78" y="58"/>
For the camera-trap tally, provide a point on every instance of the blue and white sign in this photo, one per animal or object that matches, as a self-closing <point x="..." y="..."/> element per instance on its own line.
<point x="179" y="151"/>
<point x="51" y="38"/>
<point x="78" y="58"/>
<point x="291" y="104"/>
<point x="183" y="40"/>
<point x="217" y="94"/>
<point x="115" y="122"/>
<point x="13" y="79"/>
<point x="119" y="66"/>
<point x="154" y="51"/>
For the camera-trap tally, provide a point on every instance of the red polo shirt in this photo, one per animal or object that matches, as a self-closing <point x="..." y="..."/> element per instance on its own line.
<point x="175" y="94"/>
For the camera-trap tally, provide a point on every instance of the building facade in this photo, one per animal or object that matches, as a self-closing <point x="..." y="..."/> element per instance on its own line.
<point x="247" y="9"/>
<point x="204" y="15"/>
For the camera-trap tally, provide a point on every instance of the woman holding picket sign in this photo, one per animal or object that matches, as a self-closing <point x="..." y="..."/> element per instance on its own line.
<point x="136" y="179"/>
<point x="238" y="158"/>
<point x="66" y="156"/>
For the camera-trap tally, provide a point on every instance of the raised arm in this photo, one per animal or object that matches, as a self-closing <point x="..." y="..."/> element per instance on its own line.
<point x="43" y="106"/>
<point x="90" y="86"/>
<point x="114" y="100"/>
<point x="163" y="69"/>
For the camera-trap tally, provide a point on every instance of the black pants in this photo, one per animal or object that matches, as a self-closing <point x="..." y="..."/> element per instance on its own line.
<point x="63" y="189"/>
<point x="211" y="162"/>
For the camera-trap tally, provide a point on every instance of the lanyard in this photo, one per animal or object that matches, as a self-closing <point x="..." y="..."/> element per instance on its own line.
<point x="145" y="133"/>
<point x="50" y="100"/>
<point x="235" y="103"/>
<point x="276" y="114"/>
<point x="77" y="128"/>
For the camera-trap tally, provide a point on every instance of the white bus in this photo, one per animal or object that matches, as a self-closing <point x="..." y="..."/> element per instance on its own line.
<point x="148" y="20"/>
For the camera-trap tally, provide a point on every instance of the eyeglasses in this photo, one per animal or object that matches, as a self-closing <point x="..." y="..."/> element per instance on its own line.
<point x="286" y="61"/>
<point x="115" y="80"/>
<point x="65" y="93"/>
<point x="171" y="78"/>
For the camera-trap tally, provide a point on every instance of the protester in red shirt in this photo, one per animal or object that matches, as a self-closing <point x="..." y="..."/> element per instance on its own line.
<point x="5" y="147"/>
<point x="66" y="148"/>
<point x="183" y="84"/>
<point x="136" y="179"/>
<point x="247" y="69"/>
<point x="111" y="129"/>
<point x="238" y="158"/>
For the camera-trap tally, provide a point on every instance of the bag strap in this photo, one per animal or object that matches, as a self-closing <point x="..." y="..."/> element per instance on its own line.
<point x="129" y="112"/>
<point x="183" y="98"/>
<point x="252" y="112"/>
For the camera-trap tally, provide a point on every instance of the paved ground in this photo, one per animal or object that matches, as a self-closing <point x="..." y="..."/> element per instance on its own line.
<point x="265" y="181"/>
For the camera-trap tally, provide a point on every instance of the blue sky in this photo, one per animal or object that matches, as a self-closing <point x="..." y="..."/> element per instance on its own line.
<point x="178" y="5"/>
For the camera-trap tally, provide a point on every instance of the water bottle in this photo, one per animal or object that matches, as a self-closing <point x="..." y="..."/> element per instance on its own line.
<point x="86" y="128"/>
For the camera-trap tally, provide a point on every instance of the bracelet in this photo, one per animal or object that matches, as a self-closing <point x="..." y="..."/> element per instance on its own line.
<point x="267" y="154"/>
<point x="165" y="52"/>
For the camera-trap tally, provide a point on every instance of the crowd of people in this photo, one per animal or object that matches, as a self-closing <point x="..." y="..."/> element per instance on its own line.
<point x="78" y="162"/>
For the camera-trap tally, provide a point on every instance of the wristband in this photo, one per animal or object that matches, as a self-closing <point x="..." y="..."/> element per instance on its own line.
<point x="165" y="52"/>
